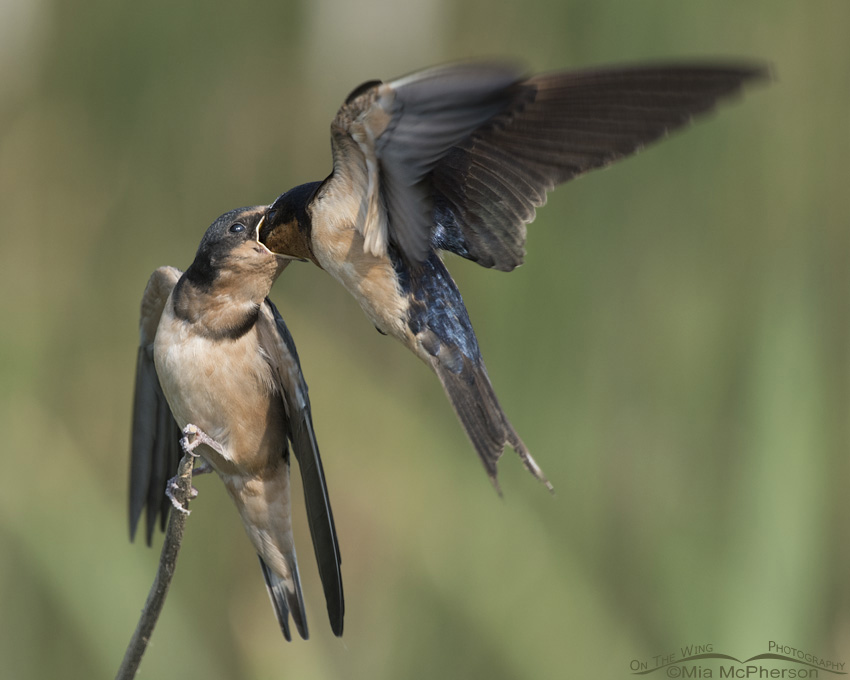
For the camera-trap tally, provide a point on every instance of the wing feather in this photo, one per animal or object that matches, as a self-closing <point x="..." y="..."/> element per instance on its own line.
<point x="388" y="137"/>
<point x="477" y="141"/>
<point x="279" y="345"/>
<point x="154" y="446"/>
<point x="573" y="122"/>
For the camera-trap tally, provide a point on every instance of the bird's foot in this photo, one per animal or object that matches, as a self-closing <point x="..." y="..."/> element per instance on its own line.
<point x="203" y="467"/>
<point x="193" y="437"/>
<point x="171" y="488"/>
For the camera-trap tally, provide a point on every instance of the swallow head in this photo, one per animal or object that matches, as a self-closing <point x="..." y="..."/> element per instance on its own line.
<point x="288" y="228"/>
<point x="232" y="257"/>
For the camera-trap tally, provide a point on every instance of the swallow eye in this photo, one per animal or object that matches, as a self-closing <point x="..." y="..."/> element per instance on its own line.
<point x="236" y="228"/>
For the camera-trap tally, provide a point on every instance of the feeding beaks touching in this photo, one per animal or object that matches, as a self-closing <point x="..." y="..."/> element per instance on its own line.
<point x="288" y="225"/>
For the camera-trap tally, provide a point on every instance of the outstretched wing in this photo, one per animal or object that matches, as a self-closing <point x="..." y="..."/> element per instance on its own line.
<point x="387" y="137"/>
<point x="280" y="347"/>
<point x="486" y="189"/>
<point x="154" y="448"/>
<point x="458" y="157"/>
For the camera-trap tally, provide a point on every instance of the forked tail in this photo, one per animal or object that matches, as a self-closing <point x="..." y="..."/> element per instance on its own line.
<point x="474" y="400"/>
<point x="441" y="334"/>
<point x="286" y="598"/>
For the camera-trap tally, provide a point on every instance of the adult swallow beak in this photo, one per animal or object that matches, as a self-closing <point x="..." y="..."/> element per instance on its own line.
<point x="264" y="228"/>
<point x="260" y="226"/>
<point x="263" y="245"/>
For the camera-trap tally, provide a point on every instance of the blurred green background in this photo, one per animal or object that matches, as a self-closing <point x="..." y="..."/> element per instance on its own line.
<point x="674" y="352"/>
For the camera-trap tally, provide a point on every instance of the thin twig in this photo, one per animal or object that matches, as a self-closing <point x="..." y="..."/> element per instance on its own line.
<point x="165" y="572"/>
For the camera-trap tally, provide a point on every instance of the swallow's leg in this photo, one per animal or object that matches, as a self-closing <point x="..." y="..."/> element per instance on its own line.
<point x="193" y="436"/>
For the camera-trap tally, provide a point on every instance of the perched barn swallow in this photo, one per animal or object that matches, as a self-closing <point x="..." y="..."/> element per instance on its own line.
<point x="457" y="158"/>
<point x="215" y="353"/>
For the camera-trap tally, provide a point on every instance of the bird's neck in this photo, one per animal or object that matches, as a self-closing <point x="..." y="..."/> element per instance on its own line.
<point x="223" y="308"/>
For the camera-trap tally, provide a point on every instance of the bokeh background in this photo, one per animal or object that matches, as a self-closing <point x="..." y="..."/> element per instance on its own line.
<point x="674" y="351"/>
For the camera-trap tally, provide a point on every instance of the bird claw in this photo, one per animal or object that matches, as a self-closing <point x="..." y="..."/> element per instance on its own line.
<point x="193" y="437"/>
<point x="171" y="488"/>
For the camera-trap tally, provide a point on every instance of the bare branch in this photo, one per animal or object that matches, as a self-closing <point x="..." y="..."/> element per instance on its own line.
<point x="180" y="494"/>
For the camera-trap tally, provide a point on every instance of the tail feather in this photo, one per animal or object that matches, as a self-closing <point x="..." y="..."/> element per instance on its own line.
<point x="471" y="394"/>
<point x="286" y="599"/>
<point x="441" y="334"/>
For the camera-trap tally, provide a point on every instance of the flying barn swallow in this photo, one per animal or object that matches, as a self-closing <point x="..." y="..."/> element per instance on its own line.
<point x="457" y="158"/>
<point x="215" y="352"/>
